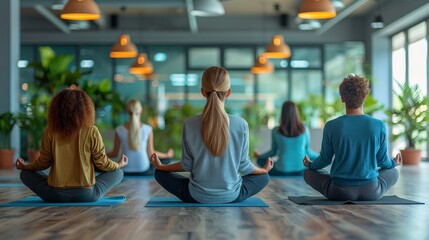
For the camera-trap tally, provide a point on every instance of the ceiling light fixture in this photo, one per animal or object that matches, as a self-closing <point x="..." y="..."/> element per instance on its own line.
<point x="262" y="65"/>
<point x="124" y="48"/>
<point x="207" y="8"/>
<point x="377" y="23"/>
<point x="58" y="4"/>
<point x="307" y="25"/>
<point x="142" y="65"/>
<point x="316" y="9"/>
<point x="277" y="48"/>
<point x="338" y="4"/>
<point x="80" y="10"/>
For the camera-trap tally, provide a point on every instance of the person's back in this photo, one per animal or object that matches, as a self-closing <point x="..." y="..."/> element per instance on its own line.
<point x="138" y="159"/>
<point x="290" y="149"/>
<point x="215" y="148"/>
<point x="216" y="178"/>
<point x="69" y="154"/>
<point x="136" y="140"/>
<point x="357" y="145"/>
<point x="72" y="146"/>
<point x="290" y="141"/>
<point x="357" y="153"/>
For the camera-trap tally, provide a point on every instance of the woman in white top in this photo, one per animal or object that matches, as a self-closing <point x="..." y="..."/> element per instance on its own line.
<point x="136" y="140"/>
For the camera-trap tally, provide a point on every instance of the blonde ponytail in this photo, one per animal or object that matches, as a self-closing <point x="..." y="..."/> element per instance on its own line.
<point x="215" y="122"/>
<point x="134" y="109"/>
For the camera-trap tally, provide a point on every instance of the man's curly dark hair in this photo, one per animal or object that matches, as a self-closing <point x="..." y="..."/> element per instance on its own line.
<point x="353" y="91"/>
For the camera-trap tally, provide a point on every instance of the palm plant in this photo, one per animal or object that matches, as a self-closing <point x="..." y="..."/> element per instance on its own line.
<point x="410" y="114"/>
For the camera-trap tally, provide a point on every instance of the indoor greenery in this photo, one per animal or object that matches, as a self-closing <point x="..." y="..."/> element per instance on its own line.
<point x="171" y="135"/>
<point x="33" y="122"/>
<point x="53" y="73"/>
<point x="409" y="114"/>
<point x="7" y="122"/>
<point x="315" y="107"/>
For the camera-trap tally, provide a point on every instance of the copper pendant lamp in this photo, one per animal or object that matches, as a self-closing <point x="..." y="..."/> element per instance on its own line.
<point x="142" y="65"/>
<point x="80" y="10"/>
<point x="316" y="9"/>
<point x="262" y="65"/>
<point x="277" y="48"/>
<point x="124" y="48"/>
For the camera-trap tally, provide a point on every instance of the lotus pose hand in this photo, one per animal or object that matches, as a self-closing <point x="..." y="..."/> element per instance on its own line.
<point x="306" y="161"/>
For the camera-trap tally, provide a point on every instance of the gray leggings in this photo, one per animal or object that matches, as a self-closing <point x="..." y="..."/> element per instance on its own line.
<point x="38" y="183"/>
<point x="321" y="181"/>
<point x="177" y="185"/>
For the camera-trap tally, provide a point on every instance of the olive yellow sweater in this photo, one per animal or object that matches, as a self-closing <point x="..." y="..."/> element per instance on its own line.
<point x="72" y="161"/>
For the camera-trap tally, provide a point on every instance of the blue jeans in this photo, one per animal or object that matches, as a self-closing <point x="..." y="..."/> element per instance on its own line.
<point x="178" y="185"/>
<point x="38" y="183"/>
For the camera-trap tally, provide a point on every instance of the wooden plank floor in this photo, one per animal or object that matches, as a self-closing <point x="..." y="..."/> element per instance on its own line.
<point x="282" y="220"/>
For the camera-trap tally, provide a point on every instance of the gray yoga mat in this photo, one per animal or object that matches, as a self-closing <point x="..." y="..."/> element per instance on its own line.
<point x="320" y="200"/>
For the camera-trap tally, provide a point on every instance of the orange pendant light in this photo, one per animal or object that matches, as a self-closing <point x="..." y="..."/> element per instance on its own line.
<point x="262" y="65"/>
<point x="124" y="48"/>
<point x="80" y="10"/>
<point x="142" y="66"/>
<point x="316" y="9"/>
<point x="277" y="48"/>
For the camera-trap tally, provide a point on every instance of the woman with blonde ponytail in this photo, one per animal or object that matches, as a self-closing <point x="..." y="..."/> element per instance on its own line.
<point x="136" y="140"/>
<point x="215" y="149"/>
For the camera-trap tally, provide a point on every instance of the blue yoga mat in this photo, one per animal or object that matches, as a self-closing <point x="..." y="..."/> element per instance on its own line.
<point x="175" y="202"/>
<point x="11" y="185"/>
<point x="34" y="201"/>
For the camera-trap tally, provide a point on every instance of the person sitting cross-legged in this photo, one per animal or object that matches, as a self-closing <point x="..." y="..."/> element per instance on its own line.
<point x="356" y="145"/>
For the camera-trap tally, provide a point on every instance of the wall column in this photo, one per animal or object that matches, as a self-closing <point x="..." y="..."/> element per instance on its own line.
<point x="9" y="55"/>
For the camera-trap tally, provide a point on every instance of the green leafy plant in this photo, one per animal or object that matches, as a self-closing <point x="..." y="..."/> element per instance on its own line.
<point x="410" y="114"/>
<point x="256" y="116"/>
<point x="32" y="121"/>
<point x="315" y="107"/>
<point x="371" y="105"/>
<point x="7" y="122"/>
<point x="102" y="95"/>
<point x="171" y="135"/>
<point x="52" y="72"/>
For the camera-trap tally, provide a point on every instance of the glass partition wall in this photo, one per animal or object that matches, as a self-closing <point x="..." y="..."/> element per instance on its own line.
<point x="312" y="73"/>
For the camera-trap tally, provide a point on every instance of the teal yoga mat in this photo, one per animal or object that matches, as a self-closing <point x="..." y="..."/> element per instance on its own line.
<point x="11" y="185"/>
<point x="175" y="202"/>
<point x="386" y="200"/>
<point x="34" y="201"/>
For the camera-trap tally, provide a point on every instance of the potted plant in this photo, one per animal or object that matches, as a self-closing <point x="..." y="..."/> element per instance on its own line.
<point x="7" y="121"/>
<point x="409" y="115"/>
<point x="32" y="121"/>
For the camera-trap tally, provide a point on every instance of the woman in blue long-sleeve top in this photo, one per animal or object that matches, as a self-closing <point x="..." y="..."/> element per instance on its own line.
<point x="215" y="150"/>
<point x="290" y="142"/>
<point x="356" y="145"/>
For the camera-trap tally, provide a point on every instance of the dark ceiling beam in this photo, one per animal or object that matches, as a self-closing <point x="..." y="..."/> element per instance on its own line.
<point x="117" y="3"/>
<point x="52" y="18"/>
<point x="342" y="15"/>
<point x="191" y="18"/>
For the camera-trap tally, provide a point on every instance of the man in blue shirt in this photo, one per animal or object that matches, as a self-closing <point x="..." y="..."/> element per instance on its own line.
<point x="356" y="145"/>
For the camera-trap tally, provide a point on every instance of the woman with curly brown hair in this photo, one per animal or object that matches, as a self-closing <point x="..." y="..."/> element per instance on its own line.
<point x="357" y="145"/>
<point x="72" y="147"/>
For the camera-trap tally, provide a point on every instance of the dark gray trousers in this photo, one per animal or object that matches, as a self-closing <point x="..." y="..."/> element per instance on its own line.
<point x="38" y="183"/>
<point x="321" y="182"/>
<point x="178" y="185"/>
